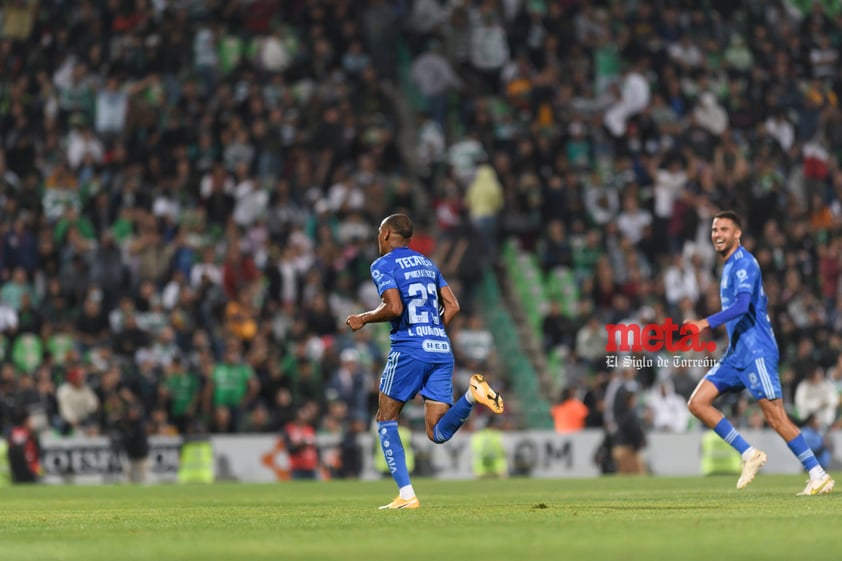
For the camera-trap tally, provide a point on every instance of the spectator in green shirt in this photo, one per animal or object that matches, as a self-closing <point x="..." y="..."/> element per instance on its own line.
<point x="27" y="352"/>
<point x="232" y="384"/>
<point x="72" y="219"/>
<point x="182" y="390"/>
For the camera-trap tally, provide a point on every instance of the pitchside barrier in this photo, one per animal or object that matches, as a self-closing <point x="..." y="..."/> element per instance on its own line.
<point x="262" y="458"/>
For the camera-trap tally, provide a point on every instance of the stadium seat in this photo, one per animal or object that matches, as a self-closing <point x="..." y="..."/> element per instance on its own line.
<point x="522" y="377"/>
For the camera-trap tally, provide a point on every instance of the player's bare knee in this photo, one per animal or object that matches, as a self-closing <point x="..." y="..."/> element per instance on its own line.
<point x="694" y="406"/>
<point x="435" y="437"/>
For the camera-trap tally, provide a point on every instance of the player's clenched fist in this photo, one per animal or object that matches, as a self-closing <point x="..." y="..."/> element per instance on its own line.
<point x="355" y="322"/>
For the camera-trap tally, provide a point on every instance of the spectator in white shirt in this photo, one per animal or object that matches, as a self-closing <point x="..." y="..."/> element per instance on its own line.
<point x="474" y="341"/>
<point x="824" y="58"/>
<point x="779" y="128"/>
<point x="273" y="55"/>
<point x="240" y="151"/>
<point x="591" y="340"/>
<point x="430" y="146"/>
<point x="635" y="94"/>
<point x="633" y="220"/>
<point x="816" y="395"/>
<point x="205" y="57"/>
<point x="217" y="176"/>
<point x="669" y="181"/>
<point x="112" y="104"/>
<point x="8" y="318"/>
<point x="161" y="352"/>
<point x="464" y="156"/>
<point x="601" y="202"/>
<point x="433" y="76"/>
<point x="83" y="143"/>
<point x="251" y="200"/>
<point x="77" y="402"/>
<point x="686" y="53"/>
<point x="669" y="410"/>
<point x="427" y="16"/>
<point x="345" y="193"/>
<point x="208" y="267"/>
<point x="489" y="48"/>
<point x="680" y="281"/>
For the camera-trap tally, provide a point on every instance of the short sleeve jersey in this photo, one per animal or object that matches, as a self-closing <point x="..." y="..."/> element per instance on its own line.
<point x="751" y="334"/>
<point x="419" y="331"/>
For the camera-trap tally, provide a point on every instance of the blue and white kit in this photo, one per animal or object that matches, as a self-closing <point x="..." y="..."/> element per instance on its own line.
<point x="420" y="358"/>
<point x="751" y="359"/>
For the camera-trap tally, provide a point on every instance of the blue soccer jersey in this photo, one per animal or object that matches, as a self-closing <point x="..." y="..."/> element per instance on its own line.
<point x="751" y="334"/>
<point x="419" y="331"/>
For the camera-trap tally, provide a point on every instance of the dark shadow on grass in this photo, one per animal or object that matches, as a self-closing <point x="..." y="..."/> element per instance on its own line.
<point x="650" y="507"/>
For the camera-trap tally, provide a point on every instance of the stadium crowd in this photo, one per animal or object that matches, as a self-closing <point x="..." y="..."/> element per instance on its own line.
<point x="604" y="136"/>
<point x="190" y="192"/>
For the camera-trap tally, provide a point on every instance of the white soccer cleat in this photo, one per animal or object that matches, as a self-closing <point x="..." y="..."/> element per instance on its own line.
<point x="821" y="486"/>
<point x="750" y="468"/>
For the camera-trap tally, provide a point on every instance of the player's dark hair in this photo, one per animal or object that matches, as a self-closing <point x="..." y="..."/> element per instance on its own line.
<point x="732" y="216"/>
<point x="400" y="224"/>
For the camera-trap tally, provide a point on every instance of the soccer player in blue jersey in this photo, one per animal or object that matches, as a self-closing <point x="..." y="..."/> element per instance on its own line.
<point x="750" y="361"/>
<point x="420" y="359"/>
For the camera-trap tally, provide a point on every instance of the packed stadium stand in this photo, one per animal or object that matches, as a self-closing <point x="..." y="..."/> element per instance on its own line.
<point x="190" y="192"/>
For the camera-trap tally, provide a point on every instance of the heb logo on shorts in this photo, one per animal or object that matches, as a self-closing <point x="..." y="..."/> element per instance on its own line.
<point x="655" y="337"/>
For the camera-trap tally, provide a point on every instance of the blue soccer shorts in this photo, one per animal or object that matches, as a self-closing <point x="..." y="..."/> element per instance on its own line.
<point x="760" y="377"/>
<point x="405" y="376"/>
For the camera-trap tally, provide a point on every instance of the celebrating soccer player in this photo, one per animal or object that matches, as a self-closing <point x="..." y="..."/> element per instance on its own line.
<point x="420" y="359"/>
<point x="751" y="360"/>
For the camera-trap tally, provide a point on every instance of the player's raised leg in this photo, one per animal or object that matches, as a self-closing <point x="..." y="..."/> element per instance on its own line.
<point x="442" y="420"/>
<point x="820" y="481"/>
<point x="701" y="405"/>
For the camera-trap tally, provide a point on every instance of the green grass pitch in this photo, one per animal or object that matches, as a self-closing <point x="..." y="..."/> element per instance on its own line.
<point x="614" y="518"/>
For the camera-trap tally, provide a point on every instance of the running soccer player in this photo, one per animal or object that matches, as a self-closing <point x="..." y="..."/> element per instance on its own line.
<point x="750" y="361"/>
<point x="420" y="359"/>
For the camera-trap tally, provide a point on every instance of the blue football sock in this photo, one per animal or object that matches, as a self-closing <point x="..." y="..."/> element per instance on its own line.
<point x="390" y="442"/>
<point x="729" y="434"/>
<point x="799" y="447"/>
<point x="452" y="420"/>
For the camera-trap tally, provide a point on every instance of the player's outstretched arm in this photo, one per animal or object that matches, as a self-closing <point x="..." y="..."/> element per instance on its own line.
<point x="390" y="307"/>
<point x="739" y="308"/>
<point x="450" y="304"/>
